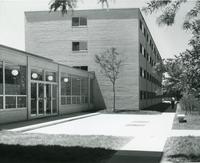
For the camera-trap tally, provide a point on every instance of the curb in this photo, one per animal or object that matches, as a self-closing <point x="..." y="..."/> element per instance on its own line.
<point x="51" y="123"/>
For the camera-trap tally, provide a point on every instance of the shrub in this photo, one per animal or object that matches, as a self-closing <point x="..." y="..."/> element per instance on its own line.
<point x="189" y="103"/>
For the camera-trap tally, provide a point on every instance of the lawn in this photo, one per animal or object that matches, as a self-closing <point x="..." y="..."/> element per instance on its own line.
<point x="182" y="149"/>
<point x="44" y="148"/>
<point x="193" y="121"/>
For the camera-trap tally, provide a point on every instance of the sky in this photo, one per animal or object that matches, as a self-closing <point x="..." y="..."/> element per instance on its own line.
<point x="170" y="41"/>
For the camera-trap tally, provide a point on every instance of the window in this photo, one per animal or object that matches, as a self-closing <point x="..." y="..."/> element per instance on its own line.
<point x="79" y="21"/>
<point x="141" y="25"/>
<point x="1" y="85"/>
<point x="144" y="32"/>
<point x="74" y="90"/>
<point x="81" y="67"/>
<point x="145" y="94"/>
<point x="79" y="46"/>
<point x="145" y="74"/>
<point x="141" y="71"/>
<point x="142" y="50"/>
<point x="91" y="91"/>
<point x="84" y="90"/>
<point x="141" y="95"/>
<point x="65" y="89"/>
<point x="145" y="53"/>
<point x="15" y="86"/>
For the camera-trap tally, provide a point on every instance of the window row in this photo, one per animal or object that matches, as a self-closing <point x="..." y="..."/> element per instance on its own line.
<point x="13" y="90"/>
<point x="144" y="95"/>
<point x="144" y="52"/>
<point x="149" y="77"/>
<point x="149" y="41"/>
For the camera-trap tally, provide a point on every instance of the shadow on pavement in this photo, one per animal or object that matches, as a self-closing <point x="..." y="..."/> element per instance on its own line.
<point x="136" y="157"/>
<point x="162" y="107"/>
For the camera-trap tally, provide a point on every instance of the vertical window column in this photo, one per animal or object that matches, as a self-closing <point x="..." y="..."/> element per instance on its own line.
<point x="1" y="85"/>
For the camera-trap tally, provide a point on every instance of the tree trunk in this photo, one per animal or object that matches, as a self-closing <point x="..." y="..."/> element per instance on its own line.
<point x="113" y="97"/>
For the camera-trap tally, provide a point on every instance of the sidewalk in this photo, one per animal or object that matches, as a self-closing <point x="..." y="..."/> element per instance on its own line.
<point x="175" y="133"/>
<point x="42" y="121"/>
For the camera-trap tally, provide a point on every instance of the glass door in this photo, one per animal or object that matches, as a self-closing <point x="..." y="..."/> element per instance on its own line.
<point x="43" y="99"/>
<point x="48" y="99"/>
<point x="54" y="98"/>
<point x="33" y="98"/>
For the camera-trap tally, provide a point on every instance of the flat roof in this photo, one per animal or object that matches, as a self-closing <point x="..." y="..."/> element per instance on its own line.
<point x="117" y="13"/>
<point x="38" y="56"/>
<point x="26" y="53"/>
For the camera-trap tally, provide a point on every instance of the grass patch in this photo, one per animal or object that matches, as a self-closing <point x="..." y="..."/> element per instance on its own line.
<point x="20" y="147"/>
<point x="193" y="122"/>
<point x="53" y="154"/>
<point x="182" y="149"/>
<point x="91" y="141"/>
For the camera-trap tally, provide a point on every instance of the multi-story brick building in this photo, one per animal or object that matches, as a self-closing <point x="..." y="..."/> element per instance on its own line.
<point x="75" y="38"/>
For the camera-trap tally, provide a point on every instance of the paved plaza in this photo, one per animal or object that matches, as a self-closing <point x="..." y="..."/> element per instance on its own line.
<point x="149" y="132"/>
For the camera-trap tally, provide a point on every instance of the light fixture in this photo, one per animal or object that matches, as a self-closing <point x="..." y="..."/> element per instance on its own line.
<point x="66" y="80"/>
<point x="50" y="77"/>
<point x="34" y="75"/>
<point x="14" y="72"/>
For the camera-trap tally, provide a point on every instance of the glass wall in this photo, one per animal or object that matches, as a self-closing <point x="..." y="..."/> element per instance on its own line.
<point x="91" y="91"/>
<point x="15" y="86"/>
<point x="74" y="90"/>
<point x="1" y="85"/>
<point x="84" y="90"/>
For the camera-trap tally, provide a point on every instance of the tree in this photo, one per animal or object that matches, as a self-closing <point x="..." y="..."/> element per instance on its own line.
<point x="65" y="5"/>
<point x="184" y="70"/>
<point x="110" y="64"/>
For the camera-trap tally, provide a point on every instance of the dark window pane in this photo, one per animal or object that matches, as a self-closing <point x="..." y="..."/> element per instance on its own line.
<point x="1" y="78"/>
<point x="75" y="46"/>
<point x="84" y="86"/>
<point x="68" y="100"/>
<point x="65" y="86"/>
<point x="91" y="91"/>
<point x="141" y="95"/>
<point x="140" y="24"/>
<point x="63" y="100"/>
<point x="83" y="21"/>
<point x="141" y="71"/>
<point x="78" y="100"/>
<point x="15" y="80"/>
<point x="21" y="102"/>
<point x="76" y="86"/>
<point x="10" y="102"/>
<point x="75" y="21"/>
<point x="141" y="48"/>
<point x="1" y="102"/>
<point x="73" y="100"/>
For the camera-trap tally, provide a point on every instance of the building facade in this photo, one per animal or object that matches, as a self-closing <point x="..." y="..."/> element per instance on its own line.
<point x="32" y="86"/>
<point x="74" y="39"/>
